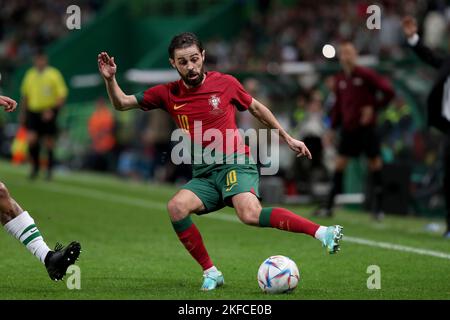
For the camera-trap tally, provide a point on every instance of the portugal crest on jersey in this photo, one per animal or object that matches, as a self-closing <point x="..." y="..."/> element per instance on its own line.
<point x="214" y="101"/>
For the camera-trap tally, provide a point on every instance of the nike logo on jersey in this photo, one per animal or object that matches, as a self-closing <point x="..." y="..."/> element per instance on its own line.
<point x="176" y="107"/>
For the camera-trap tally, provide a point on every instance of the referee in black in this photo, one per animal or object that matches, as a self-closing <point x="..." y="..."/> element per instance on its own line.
<point x="438" y="102"/>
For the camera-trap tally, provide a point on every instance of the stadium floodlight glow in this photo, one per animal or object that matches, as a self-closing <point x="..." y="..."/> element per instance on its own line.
<point x="328" y="51"/>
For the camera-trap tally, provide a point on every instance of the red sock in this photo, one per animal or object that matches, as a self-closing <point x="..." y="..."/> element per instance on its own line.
<point x="284" y="219"/>
<point x="193" y="242"/>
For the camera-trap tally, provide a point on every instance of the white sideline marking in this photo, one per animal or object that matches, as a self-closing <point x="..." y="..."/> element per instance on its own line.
<point x="146" y="204"/>
<point x="397" y="247"/>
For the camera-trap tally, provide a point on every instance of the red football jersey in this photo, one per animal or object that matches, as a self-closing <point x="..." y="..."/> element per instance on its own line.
<point x="355" y="91"/>
<point x="212" y="105"/>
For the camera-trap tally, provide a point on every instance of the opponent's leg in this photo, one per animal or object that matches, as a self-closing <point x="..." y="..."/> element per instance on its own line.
<point x="183" y="203"/>
<point x="20" y="225"/>
<point x="249" y="211"/>
<point x="50" y="145"/>
<point x="34" y="149"/>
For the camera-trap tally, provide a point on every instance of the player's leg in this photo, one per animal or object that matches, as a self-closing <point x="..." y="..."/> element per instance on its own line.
<point x="33" y="124"/>
<point x="350" y="145"/>
<point x="249" y="210"/>
<point x="49" y="141"/>
<point x="50" y="133"/>
<point x="21" y="225"/>
<point x="240" y="189"/>
<point x="34" y="150"/>
<point x="372" y="149"/>
<point x="375" y="167"/>
<point x="180" y="207"/>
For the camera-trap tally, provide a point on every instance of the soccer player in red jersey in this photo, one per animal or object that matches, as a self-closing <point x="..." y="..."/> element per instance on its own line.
<point x="354" y="111"/>
<point x="20" y="225"/>
<point x="210" y="99"/>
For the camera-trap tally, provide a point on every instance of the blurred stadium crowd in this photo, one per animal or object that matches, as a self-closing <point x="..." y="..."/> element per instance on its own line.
<point x="277" y="33"/>
<point x="138" y="146"/>
<point x="26" y="25"/>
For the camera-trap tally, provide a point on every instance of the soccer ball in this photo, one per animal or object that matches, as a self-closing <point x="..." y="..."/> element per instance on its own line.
<point x="278" y="274"/>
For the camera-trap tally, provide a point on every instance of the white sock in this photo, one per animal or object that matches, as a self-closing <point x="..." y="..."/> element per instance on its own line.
<point x="320" y="233"/>
<point x="213" y="268"/>
<point x="23" y="229"/>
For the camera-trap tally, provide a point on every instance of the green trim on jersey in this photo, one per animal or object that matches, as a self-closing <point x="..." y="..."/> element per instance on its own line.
<point x="139" y="97"/>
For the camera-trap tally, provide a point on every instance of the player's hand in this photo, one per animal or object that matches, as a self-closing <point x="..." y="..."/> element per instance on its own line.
<point x="106" y="66"/>
<point x="366" y="115"/>
<point x="299" y="147"/>
<point x="8" y="103"/>
<point x="409" y="25"/>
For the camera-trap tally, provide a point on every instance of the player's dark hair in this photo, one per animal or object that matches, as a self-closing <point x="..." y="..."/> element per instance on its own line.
<point x="184" y="40"/>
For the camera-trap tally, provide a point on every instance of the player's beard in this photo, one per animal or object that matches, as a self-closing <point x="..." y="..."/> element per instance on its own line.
<point x="193" y="82"/>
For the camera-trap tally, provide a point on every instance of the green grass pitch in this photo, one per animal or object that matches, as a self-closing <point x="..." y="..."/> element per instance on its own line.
<point x="130" y="250"/>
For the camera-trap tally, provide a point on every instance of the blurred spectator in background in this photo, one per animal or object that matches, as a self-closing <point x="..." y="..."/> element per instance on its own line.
<point x="26" y="25"/>
<point x="396" y="128"/>
<point x="354" y="111"/>
<point x="434" y="27"/>
<point x="135" y="158"/>
<point x="389" y="41"/>
<point x="147" y="157"/>
<point x="296" y="32"/>
<point x="44" y="92"/>
<point x="101" y="131"/>
<point x="311" y="127"/>
<point x="156" y="144"/>
<point x="246" y="121"/>
<point x="438" y="102"/>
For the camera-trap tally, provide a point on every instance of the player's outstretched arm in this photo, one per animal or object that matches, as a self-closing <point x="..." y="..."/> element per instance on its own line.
<point x="8" y="103"/>
<point x="410" y="30"/>
<point x="265" y="116"/>
<point x="108" y="68"/>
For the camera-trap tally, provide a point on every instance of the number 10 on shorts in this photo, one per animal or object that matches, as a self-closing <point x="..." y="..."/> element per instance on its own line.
<point x="231" y="178"/>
